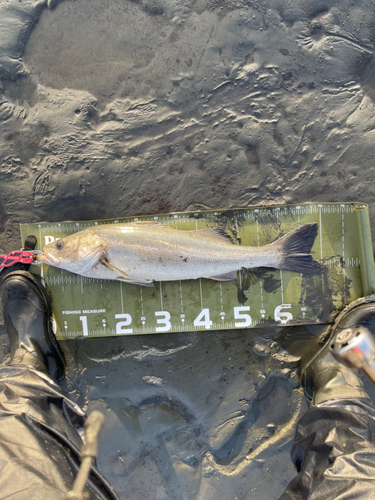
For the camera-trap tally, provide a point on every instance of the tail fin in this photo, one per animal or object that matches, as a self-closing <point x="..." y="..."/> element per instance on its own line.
<point x="296" y="250"/>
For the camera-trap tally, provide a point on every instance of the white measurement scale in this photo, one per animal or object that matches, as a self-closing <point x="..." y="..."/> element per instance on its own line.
<point x="92" y="307"/>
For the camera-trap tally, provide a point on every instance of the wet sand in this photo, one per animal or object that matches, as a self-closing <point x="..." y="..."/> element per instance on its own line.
<point x="151" y="106"/>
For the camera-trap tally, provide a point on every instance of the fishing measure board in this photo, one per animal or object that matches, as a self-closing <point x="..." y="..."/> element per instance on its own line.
<point x="260" y="297"/>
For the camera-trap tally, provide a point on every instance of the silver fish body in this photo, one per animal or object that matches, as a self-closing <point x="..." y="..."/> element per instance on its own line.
<point x="143" y="252"/>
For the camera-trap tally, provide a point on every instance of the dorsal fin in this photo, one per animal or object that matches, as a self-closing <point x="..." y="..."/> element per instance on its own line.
<point x="217" y="233"/>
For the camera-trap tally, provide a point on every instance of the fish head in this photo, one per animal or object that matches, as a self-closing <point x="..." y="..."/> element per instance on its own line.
<point x="77" y="253"/>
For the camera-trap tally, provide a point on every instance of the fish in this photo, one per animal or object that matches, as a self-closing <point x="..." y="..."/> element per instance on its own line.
<point x="143" y="252"/>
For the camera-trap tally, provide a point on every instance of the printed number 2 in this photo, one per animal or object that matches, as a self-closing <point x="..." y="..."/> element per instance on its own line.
<point x="120" y="330"/>
<point x="245" y="318"/>
<point x="203" y="319"/>
<point x="164" y="320"/>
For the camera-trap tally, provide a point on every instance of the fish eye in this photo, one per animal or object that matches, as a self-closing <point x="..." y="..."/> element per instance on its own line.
<point x="59" y="245"/>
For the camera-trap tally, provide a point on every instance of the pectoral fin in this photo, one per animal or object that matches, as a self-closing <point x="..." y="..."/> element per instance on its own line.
<point x="122" y="274"/>
<point x="125" y="278"/>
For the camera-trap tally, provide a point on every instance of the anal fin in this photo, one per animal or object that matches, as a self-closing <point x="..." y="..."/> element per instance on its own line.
<point x="232" y="276"/>
<point x="136" y="281"/>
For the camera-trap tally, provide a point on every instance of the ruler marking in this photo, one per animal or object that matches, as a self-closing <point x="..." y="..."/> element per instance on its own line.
<point x="40" y="237"/>
<point x="143" y="319"/>
<point x="281" y="273"/>
<point x="161" y="296"/>
<point x="260" y="281"/>
<point x="320" y="234"/>
<point x="321" y="246"/>
<point x="298" y="224"/>
<point x="41" y="246"/>
<point x="181" y="301"/>
<point x="122" y="298"/>
<point x="222" y="314"/>
<point x="343" y="254"/>
<point x="200" y="292"/>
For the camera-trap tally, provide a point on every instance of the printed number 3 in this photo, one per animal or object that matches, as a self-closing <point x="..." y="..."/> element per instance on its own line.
<point x="163" y="320"/>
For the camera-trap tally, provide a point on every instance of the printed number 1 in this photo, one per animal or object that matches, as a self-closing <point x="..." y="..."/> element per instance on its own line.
<point x="84" y="325"/>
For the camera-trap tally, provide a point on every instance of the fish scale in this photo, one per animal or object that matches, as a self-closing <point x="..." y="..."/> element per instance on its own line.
<point x="93" y="307"/>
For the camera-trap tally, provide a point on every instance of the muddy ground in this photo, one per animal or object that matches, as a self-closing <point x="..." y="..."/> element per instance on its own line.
<point x="132" y="107"/>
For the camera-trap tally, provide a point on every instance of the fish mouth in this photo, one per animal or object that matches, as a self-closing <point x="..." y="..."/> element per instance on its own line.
<point x="47" y="259"/>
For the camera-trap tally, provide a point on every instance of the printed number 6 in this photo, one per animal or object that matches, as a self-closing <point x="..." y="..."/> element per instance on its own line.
<point x="120" y="330"/>
<point x="164" y="320"/>
<point x="283" y="316"/>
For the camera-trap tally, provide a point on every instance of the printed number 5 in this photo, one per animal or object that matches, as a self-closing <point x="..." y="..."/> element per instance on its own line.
<point x="239" y="314"/>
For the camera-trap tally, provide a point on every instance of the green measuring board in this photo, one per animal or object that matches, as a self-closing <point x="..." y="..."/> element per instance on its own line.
<point x="260" y="297"/>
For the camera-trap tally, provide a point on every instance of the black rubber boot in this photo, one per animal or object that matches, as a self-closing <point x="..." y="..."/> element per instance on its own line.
<point x="28" y="324"/>
<point x="321" y="375"/>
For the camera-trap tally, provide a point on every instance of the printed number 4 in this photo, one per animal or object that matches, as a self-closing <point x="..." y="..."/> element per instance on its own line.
<point x="203" y="319"/>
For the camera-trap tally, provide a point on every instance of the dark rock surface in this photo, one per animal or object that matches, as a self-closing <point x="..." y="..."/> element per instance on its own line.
<point x="135" y="107"/>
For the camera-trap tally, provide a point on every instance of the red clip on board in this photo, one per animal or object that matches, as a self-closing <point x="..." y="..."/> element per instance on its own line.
<point x="16" y="257"/>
